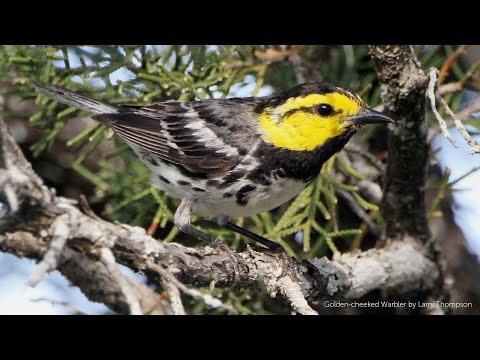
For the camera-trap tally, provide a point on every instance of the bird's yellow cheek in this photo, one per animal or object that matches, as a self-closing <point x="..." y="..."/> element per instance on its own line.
<point x="300" y="131"/>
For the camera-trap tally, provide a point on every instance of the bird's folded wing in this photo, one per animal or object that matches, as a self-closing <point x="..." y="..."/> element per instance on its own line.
<point x="175" y="133"/>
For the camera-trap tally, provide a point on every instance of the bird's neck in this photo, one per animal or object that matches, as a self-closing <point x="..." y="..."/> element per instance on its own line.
<point x="301" y="165"/>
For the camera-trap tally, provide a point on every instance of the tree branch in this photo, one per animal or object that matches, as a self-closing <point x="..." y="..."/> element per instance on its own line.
<point x="474" y="148"/>
<point x="403" y="85"/>
<point x="28" y="233"/>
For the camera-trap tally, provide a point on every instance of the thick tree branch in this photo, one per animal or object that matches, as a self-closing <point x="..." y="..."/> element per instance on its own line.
<point x="403" y="94"/>
<point x="399" y="266"/>
<point x="28" y="233"/>
<point x="403" y="87"/>
<point x="39" y="227"/>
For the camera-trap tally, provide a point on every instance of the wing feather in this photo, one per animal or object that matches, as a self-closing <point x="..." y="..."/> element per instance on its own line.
<point x="210" y="136"/>
<point x="176" y="133"/>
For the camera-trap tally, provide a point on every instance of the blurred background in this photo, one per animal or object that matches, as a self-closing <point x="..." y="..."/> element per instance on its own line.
<point x="80" y="157"/>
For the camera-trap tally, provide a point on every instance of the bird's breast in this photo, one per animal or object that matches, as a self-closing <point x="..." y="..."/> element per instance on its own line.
<point x="244" y="191"/>
<point x="247" y="198"/>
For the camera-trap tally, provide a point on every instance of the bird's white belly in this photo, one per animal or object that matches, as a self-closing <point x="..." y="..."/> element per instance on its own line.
<point x="263" y="198"/>
<point x="213" y="203"/>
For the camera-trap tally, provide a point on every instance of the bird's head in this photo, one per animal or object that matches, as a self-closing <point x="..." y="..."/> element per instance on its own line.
<point x="306" y="116"/>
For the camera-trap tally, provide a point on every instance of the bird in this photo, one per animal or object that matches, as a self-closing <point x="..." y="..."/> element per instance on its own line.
<point x="235" y="157"/>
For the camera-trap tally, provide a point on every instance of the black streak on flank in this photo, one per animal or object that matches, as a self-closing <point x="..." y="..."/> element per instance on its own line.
<point x="152" y="161"/>
<point x="241" y="195"/>
<point x="165" y="180"/>
<point x="231" y="178"/>
<point x="227" y="195"/>
<point x="197" y="189"/>
<point x="212" y="182"/>
<point x="242" y="152"/>
<point x="182" y="182"/>
<point x="190" y="174"/>
<point x="243" y="201"/>
<point x="260" y="175"/>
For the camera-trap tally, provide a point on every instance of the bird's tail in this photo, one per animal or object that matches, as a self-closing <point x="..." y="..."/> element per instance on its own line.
<point x="73" y="99"/>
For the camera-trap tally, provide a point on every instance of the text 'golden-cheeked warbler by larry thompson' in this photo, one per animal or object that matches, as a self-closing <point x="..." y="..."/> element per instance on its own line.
<point x="234" y="157"/>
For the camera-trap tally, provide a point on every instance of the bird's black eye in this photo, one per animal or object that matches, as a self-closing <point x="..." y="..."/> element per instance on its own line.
<point x="324" y="110"/>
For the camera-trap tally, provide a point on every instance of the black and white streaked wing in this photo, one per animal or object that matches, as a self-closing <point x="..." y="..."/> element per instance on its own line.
<point x="176" y="133"/>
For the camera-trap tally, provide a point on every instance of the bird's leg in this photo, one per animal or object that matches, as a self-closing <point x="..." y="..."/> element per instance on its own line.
<point x="182" y="220"/>
<point x="260" y="239"/>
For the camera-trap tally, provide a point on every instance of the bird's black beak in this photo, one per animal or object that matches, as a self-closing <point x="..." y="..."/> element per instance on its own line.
<point x="369" y="116"/>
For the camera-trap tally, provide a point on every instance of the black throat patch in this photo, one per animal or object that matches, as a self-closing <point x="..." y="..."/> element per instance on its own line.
<point x="299" y="165"/>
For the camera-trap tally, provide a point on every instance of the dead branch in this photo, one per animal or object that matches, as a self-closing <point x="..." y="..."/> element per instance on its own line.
<point x="432" y="94"/>
<point x="108" y="259"/>
<point x="432" y="74"/>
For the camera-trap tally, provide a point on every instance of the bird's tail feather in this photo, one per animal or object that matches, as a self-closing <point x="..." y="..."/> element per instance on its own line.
<point x="74" y="99"/>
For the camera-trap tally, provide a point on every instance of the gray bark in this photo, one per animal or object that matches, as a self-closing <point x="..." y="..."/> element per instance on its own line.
<point x="403" y="85"/>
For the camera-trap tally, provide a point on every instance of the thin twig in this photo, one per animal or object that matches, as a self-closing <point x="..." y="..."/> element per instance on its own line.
<point x="60" y="232"/>
<point x="448" y="63"/>
<point x="293" y="292"/>
<point x="358" y="210"/>
<point x="468" y="173"/>
<point x="368" y="156"/>
<point x="370" y="190"/>
<point x="11" y="197"/>
<point x="474" y="148"/>
<point x="278" y="53"/>
<point x="207" y="299"/>
<point x="175" y="298"/>
<point x="6" y="178"/>
<point x="451" y="87"/>
<point x="75" y="310"/>
<point x="85" y="206"/>
<point x="466" y="81"/>
<point x="433" y="73"/>
<point x="108" y="259"/>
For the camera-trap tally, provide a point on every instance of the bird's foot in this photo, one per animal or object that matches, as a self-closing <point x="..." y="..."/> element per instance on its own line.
<point x="236" y="259"/>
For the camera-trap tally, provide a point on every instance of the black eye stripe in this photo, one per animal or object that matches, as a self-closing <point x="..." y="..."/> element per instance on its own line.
<point x="310" y="110"/>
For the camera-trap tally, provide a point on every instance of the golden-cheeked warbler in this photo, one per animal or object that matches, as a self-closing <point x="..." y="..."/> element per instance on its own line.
<point x="235" y="157"/>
